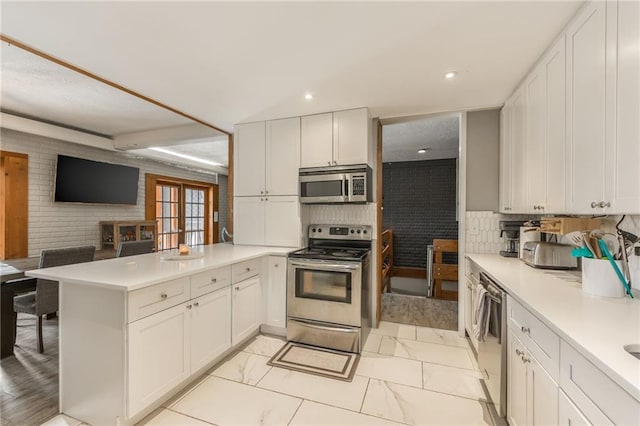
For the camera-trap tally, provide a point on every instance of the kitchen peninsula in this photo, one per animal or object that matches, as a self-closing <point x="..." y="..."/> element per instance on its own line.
<point x="135" y="330"/>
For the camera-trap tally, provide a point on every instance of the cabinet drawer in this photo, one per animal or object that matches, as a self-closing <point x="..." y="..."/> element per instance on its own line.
<point x="158" y="297"/>
<point x="543" y="343"/>
<point x="597" y="396"/>
<point x="243" y="270"/>
<point x="568" y="414"/>
<point x="206" y="282"/>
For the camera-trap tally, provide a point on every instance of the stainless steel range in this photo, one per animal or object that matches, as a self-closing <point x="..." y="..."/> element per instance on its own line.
<point x="328" y="299"/>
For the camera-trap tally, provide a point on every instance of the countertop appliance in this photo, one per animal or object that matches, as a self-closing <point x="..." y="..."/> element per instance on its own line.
<point x="540" y="254"/>
<point x="328" y="295"/>
<point x="335" y="184"/>
<point x="492" y="351"/>
<point x="510" y="230"/>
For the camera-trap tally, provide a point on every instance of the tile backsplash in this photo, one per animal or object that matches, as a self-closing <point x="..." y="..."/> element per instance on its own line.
<point x="482" y="231"/>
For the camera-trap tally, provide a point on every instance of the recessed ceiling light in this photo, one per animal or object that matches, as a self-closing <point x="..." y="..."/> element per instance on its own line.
<point x="308" y="96"/>
<point x="185" y="156"/>
<point x="450" y="74"/>
<point x="422" y="151"/>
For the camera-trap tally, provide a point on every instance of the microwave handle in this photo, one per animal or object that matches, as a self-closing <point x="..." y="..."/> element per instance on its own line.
<point x="345" y="184"/>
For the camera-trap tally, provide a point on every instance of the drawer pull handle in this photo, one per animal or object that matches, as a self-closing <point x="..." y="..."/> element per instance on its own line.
<point x="196" y="304"/>
<point x="214" y="280"/>
<point x="188" y="306"/>
<point x="519" y="352"/>
<point x="163" y="296"/>
<point x="525" y="330"/>
<point x="525" y="359"/>
<point x="237" y="288"/>
<point x="247" y="269"/>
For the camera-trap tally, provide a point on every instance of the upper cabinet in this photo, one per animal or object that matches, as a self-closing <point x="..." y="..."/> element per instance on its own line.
<point x="570" y="132"/>
<point x="333" y="139"/>
<point x="267" y="158"/>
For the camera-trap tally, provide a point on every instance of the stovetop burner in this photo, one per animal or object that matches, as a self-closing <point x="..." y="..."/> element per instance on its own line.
<point x="345" y="242"/>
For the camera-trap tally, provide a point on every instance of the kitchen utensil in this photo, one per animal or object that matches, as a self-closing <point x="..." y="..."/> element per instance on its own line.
<point x="575" y="238"/>
<point x="623" y="258"/>
<point x="614" y="265"/>
<point x="596" y="247"/>
<point x="581" y="252"/>
<point x="587" y="244"/>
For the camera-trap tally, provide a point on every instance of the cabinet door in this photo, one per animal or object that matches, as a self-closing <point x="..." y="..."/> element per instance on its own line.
<point x="626" y="149"/>
<point x="518" y="141"/>
<point x="555" y="75"/>
<point x="535" y="140"/>
<point x="543" y="398"/>
<point x="586" y="54"/>
<point x="248" y="220"/>
<point x="568" y="414"/>
<point x="246" y="312"/>
<point x="351" y="136"/>
<point x="210" y="327"/>
<point x="249" y="159"/>
<point x="283" y="156"/>
<point x="505" y="158"/>
<point x="282" y="221"/>
<point x="158" y="354"/>
<point x="316" y="143"/>
<point x="516" y="383"/>
<point x="275" y="308"/>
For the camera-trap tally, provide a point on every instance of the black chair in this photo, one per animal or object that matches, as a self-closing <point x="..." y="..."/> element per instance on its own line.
<point x="44" y="300"/>
<point x="131" y="248"/>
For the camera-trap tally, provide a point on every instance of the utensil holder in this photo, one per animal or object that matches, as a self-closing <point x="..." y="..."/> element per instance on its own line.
<point x="599" y="278"/>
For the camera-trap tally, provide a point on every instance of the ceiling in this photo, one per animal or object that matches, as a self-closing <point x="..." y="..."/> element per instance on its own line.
<point x="438" y="135"/>
<point x="231" y="62"/>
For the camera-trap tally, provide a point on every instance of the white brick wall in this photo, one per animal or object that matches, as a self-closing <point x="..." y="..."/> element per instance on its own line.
<point x="53" y="225"/>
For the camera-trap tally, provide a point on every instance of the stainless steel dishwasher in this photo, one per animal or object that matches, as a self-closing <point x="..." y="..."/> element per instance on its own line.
<point x="492" y="350"/>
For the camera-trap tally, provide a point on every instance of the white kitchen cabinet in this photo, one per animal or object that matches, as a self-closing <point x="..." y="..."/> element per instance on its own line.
<point x="505" y="158"/>
<point x="210" y="327"/>
<point x="267" y="158"/>
<point x="246" y="309"/>
<point x="586" y="84"/>
<point x="249" y="159"/>
<point x="568" y="414"/>
<point x="334" y="139"/>
<point x="166" y="348"/>
<point x="532" y="394"/>
<point x="545" y="141"/>
<point x="158" y="356"/>
<point x="275" y="294"/>
<point x="272" y="221"/>
<point x="514" y="181"/>
<point x="623" y="26"/>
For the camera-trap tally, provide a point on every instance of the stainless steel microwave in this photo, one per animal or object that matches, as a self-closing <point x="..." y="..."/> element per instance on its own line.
<point x="335" y="184"/>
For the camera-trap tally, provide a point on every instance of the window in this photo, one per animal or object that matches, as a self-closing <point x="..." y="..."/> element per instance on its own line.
<point x="183" y="209"/>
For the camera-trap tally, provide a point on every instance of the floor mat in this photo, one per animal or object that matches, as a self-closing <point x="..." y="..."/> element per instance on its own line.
<point x="314" y="360"/>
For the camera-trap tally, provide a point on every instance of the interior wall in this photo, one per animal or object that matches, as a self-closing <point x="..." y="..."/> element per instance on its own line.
<point x="55" y="225"/>
<point x="483" y="160"/>
<point x="419" y="204"/>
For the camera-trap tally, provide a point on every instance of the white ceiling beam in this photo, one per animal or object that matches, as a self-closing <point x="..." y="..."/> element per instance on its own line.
<point x="169" y="136"/>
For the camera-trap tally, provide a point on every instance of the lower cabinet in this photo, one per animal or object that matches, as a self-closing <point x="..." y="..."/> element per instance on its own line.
<point x="532" y="395"/>
<point x="568" y="414"/>
<point x="166" y="348"/>
<point x="275" y="293"/>
<point x="246" y="309"/>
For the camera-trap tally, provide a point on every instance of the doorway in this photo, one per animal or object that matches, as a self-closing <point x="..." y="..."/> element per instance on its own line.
<point x="419" y="205"/>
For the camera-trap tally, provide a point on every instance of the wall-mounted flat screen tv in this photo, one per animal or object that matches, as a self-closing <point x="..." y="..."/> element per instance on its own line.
<point x="86" y="181"/>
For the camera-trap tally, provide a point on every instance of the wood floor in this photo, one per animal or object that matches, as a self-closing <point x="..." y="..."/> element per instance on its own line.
<point x="29" y="380"/>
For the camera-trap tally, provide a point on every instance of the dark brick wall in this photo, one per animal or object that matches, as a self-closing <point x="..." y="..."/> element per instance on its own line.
<point x="419" y="199"/>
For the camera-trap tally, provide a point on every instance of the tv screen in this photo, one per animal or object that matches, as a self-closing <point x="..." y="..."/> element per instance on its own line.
<point x="87" y="181"/>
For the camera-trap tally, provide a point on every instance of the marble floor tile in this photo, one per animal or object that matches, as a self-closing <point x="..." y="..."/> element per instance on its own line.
<point x="171" y="418"/>
<point x="393" y="329"/>
<point x="62" y="420"/>
<point x="452" y="380"/>
<point x="244" y="367"/>
<point x="265" y="345"/>
<point x="422" y="407"/>
<point x="393" y="369"/>
<point x="444" y="337"/>
<point x="428" y="352"/>
<point x="224" y="402"/>
<point x="333" y="392"/>
<point x="314" y="414"/>
<point x="373" y="342"/>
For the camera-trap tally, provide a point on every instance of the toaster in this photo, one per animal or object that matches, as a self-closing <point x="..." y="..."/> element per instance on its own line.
<point x="539" y="254"/>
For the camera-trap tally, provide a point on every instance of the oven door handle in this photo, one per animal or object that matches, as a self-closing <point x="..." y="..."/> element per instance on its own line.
<point x="325" y="266"/>
<point x="313" y="324"/>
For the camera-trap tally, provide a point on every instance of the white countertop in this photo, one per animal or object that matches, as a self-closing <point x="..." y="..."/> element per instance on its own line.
<point x="597" y="327"/>
<point x="135" y="272"/>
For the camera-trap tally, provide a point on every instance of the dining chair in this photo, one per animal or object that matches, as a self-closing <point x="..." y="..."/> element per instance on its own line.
<point x="131" y="248"/>
<point x="44" y="300"/>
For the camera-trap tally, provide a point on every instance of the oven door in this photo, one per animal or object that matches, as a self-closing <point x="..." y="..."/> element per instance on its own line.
<point x="328" y="291"/>
<point x="327" y="188"/>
